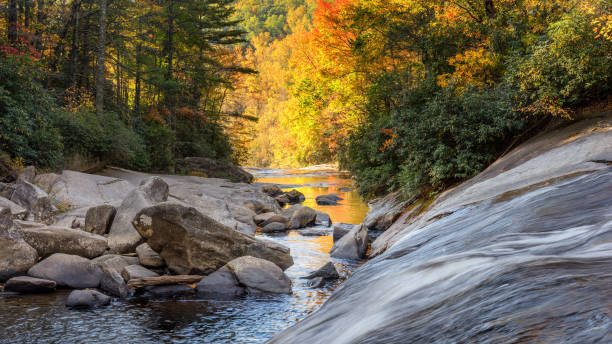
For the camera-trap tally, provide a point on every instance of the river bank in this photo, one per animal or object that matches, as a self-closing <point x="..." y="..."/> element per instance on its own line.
<point x="142" y="318"/>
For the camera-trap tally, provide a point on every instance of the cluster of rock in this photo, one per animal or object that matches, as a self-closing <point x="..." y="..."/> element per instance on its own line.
<point x="138" y="235"/>
<point x="284" y="198"/>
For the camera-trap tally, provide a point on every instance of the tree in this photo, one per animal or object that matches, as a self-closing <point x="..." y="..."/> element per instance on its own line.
<point x="101" y="60"/>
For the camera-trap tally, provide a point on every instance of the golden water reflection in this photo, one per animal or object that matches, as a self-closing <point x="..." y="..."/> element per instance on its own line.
<point x="351" y="210"/>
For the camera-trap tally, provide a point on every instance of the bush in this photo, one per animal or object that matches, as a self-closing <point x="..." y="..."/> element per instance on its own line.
<point x="104" y="136"/>
<point x="570" y="66"/>
<point x="434" y="138"/>
<point x="159" y="140"/>
<point x="26" y="110"/>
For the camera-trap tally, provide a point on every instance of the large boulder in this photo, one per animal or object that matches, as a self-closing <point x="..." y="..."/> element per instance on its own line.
<point x="68" y="271"/>
<point x="16" y="257"/>
<point x="17" y="211"/>
<point x="221" y="283"/>
<point x="27" y="175"/>
<point x="99" y="219"/>
<point x="295" y="196"/>
<point x="49" y="240"/>
<point x="261" y="218"/>
<point x="352" y="245"/>
<point x="272" y="190"/>
<point x="340" y="230"/>
<point x="260" y="276"/>
<point x="87" y="299"/>
<point x="122" y="235"/>
<point x="213" y="169"/>
<point x="149" y="258"/>
<point x="193" y="243"/>
<point x="303" y="217"/>
<point x="113" y="283"/>
<point x="29" y="285"/>
<point x="115" y="261"/>
<point x="36" y="201"/>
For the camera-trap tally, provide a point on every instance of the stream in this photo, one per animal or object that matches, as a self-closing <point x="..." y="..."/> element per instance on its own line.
<point x="253" y="319"/>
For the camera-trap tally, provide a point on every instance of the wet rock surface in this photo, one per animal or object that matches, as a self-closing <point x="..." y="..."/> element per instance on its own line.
<point x="29" y="285"/>
<point x="352" y="245"/>
<point x="87" y="299"/>
<point x="517" y="253"/>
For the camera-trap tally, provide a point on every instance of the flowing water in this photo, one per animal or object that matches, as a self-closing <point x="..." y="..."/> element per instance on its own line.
<point x="254" y="319"/>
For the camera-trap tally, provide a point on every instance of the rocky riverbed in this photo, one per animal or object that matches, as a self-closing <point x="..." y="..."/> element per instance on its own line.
<point x="131" y="257"/>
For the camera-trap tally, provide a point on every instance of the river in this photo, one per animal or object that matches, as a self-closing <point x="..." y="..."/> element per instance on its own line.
<point x="253" y="319"/>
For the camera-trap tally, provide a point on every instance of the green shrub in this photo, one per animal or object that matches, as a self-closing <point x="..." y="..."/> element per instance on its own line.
<point x="104" y="136"/>
<point x="570" y="66"/>
<point x="434" y="138"/>
<point x="26" y="110"/>
<point x="159" y="140"/>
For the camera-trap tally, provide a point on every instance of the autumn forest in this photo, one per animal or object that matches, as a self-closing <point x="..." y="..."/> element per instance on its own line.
<point x="406" y="95"/>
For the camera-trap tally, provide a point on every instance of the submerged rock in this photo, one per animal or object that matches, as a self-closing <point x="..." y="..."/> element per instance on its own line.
<point x="353" y="245"/>
<point x="87" y="299"/>
<point x="168" y="291"/>
<point x="193" y="243"/>
<point x="68" y="271"/>
<point x="29" y="285"/>
<point x="331" y="199"/>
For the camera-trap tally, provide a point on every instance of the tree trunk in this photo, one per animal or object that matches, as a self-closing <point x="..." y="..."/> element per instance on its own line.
<point x="12" y="22"/>
<point x="74" y="49"/>
<point x="137" y="82"/>
<point x="101" y="59"/>
<point x="40" y="17"/>
<point x="490" y="9"/>
<point x="170" y="52"/>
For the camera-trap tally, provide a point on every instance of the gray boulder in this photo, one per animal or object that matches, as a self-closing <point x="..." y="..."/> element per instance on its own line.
<point x="149" y="258"/>
<point x="282" y="200"/>
<point x="303" y="217"/>
<point x="221" y="283"/>
<point x="36" y="201"/>
<point x="213" y="169"/>
<point x="258" y="207"/>
<point x="27" y="175"/>
<point x="317" y="282"/>
<point x="331" y="199"/>
<point x="29" y="285"/>
<point x="353" y="245"/>
<point x="274" y="227"/>
<point x="193" y="243"/>
<point x="295" y="197"/>
<point x="113" y="283"/>
<point x="99" y="219"/>
<point x="68" y="271"/>
<point x="137" y="271"/>
<point x="17" y="212"/>
<point x="122" y="235"/>
<point x="384" y="211"/>
<point x="87" y="299"/>
<point x="323" y="219"/>
<point x="340" y="229"/>
<point x="115" y="262"/>
<point x="16" y="257"/>
<point x="49" y="240"/>
<point x="276" y="218"/>
<point x="260" y="276"/>
<point x="272" y="190"/>
<point x="261" y="218"/>
<point x="327" y="272"/>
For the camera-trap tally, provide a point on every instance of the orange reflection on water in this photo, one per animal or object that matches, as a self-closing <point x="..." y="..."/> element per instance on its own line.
<point x="323" y="243"/>
<point x="351" y="210"/>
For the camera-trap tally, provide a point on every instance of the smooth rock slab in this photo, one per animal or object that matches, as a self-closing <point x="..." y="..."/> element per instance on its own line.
<point x="68" y="271"/>
<point x="87" y="299"/>
<point x="29" y="285"/>
<point x="260" y="276"/>
<point x="49" y="240"/>
<point x="137" y="271"/>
